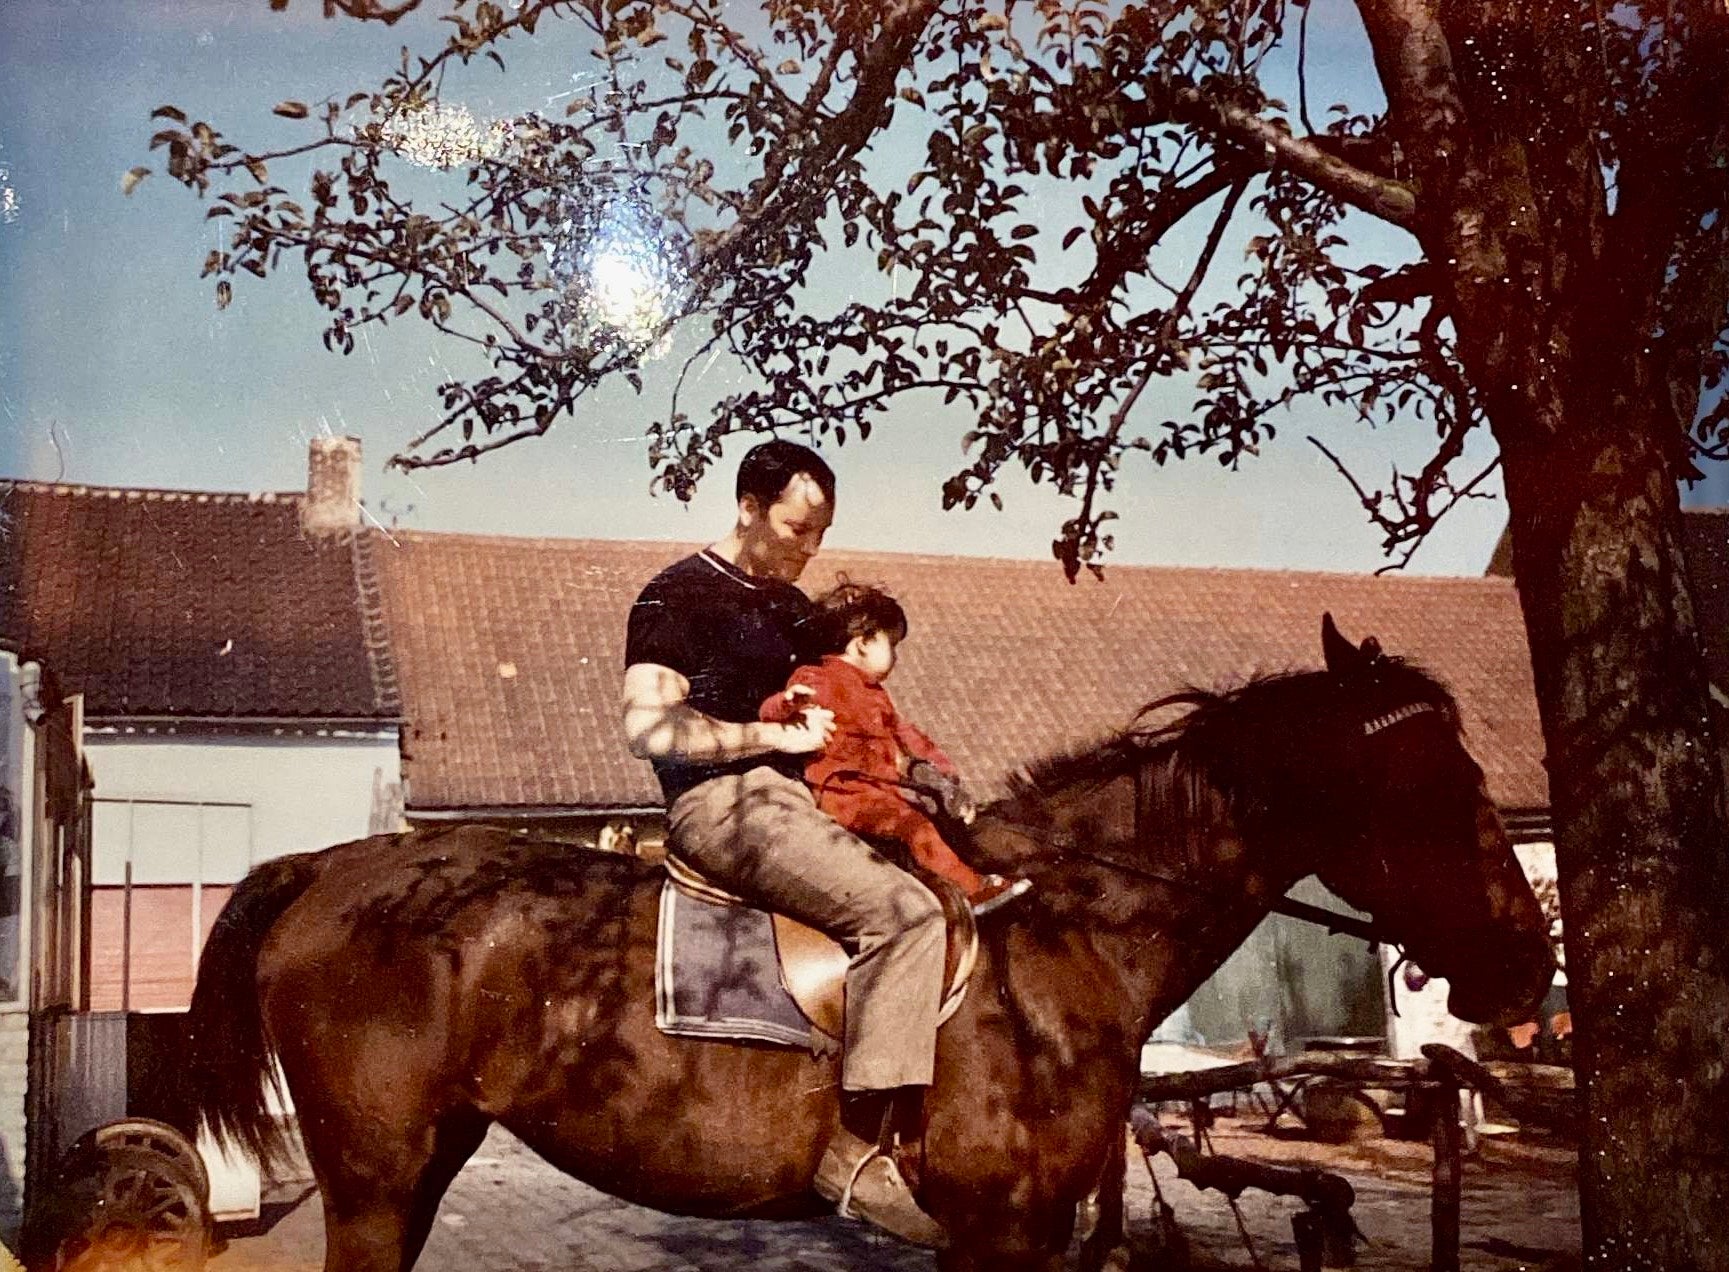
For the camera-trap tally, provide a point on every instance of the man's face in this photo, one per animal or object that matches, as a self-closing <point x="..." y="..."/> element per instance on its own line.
<point x="782" y="538"/>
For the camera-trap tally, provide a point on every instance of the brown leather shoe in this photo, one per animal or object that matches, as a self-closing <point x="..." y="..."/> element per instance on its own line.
<point x="996" y="892"/>
<point x="866" y="1184"/>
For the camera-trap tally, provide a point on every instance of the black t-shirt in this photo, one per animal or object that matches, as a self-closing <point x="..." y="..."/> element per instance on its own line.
<point x="734" y="637"/>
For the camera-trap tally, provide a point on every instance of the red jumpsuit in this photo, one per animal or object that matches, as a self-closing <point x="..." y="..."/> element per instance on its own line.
<point x="869" y="740"/>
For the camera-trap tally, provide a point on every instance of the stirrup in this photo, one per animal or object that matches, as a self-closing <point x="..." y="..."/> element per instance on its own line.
<point x="844" y="1207"/>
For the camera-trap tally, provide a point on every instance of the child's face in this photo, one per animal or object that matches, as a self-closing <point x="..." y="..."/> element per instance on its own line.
<point x="874" y="655"/>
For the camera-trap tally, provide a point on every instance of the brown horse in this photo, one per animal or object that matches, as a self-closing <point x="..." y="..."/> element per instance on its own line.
<point x="419" y="987"/>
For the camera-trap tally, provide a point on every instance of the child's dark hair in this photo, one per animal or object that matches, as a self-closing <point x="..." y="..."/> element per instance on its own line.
<point x="851" y="609"/>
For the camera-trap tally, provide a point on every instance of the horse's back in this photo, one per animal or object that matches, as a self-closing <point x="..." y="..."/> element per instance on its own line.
<point x="437" y="887"/>
<point x="451" y="935"/>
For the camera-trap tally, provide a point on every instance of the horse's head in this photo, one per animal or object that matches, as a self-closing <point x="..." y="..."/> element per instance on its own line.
<point x="1424" y="851"/>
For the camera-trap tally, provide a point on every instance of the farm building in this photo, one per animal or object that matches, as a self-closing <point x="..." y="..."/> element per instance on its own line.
<point x="238" y="696"/>
<point x="44" y="853"/>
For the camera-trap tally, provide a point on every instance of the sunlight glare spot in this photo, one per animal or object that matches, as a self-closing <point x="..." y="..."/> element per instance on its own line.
<point x="621" y="278"/>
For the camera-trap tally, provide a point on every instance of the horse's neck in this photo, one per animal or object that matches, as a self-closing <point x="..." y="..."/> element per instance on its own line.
<point x="1147" y="969"/>
<point x="1141" y="924"/>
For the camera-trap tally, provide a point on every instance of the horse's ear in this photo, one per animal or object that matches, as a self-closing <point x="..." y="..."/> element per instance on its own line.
<point x="1342" y="655"/>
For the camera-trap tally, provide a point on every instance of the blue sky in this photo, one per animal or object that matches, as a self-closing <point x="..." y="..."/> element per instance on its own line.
<point x="116" y="367"/>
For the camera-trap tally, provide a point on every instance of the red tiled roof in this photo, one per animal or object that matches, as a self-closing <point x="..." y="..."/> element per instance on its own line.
<point x="182" y="604"/>
<point x="510" y="655"/>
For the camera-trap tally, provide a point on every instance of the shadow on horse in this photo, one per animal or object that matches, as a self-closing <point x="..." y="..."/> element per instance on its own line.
<point x="419" y="987"/>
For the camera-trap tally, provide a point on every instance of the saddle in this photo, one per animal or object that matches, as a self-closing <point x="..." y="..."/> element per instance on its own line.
<point x="813" y="965"/>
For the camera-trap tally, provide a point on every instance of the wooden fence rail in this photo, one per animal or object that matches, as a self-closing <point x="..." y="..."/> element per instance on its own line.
<point x="1537" y="1094"/>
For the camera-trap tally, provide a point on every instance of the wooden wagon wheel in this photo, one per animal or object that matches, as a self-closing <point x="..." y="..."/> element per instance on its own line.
<point x="144" y="1132"/>
<point x="126" y="1206"/>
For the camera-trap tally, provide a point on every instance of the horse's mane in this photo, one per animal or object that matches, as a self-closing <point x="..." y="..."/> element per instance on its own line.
<point x="1209" y="738"/>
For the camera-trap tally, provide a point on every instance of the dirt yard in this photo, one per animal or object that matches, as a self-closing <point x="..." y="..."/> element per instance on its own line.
<point x="510" y="1212"/>
<point x="1519" y="1210"/>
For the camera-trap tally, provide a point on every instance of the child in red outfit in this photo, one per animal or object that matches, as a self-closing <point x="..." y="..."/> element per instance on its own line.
<point x="857" y="778"/>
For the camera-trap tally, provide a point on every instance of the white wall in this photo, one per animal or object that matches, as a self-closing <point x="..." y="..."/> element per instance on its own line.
<point x="303" y="792"/>
<point x="14" y="1133"/>
<point x="17" y="828"/>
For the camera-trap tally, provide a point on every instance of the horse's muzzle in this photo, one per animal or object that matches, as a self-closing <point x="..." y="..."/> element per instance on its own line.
<point x="1500" y="978"/>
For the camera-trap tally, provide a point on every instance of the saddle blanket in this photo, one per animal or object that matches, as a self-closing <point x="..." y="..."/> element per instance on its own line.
<point x="716" y="975"/>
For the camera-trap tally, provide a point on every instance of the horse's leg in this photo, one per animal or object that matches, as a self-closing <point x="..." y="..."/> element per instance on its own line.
<point x="365" y="1222"/>
<point x="381" y="1192"/>
<point x="454" y="1143"/>
<point x="384" y="1131"/>
<point x="1107" y="1238"/>
<point x="1029" y="1234"/>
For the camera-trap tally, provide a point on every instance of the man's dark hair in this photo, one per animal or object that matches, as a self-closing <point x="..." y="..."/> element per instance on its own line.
<point x="853" y="609"/>
<point x="766" y="469"/>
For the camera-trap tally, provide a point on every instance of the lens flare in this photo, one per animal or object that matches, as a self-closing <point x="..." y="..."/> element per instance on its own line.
<point x="440" y="136"/>
<point x="621" y="274"/>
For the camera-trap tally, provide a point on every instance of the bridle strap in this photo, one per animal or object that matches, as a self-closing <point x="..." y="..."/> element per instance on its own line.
<point x="1331" y="920"/>
<point x="1334" y="922"/>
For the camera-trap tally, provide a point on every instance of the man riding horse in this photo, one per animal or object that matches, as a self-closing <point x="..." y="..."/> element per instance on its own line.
<point x="416" y="989"/>
<point x="709" y="639"/>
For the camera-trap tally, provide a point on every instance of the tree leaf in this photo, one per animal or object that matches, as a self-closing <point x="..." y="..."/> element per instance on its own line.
<point x="290" y="110"/>
<point x="224" y="293"/>
<point x="129" y="182"/>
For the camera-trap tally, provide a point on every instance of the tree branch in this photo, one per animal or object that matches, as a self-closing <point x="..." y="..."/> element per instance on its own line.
<point x="776" y="200"/>
<point x="1424" y="106"/>
<point x="365" y="10"/>
<point x="1120" y="257"/>
<point x="1257" y="142"/>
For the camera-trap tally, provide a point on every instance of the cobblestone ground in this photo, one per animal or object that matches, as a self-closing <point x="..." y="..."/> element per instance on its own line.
<point x="510" y="1212"/>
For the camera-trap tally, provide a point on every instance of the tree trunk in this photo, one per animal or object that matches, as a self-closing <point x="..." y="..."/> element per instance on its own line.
<point x="1638" y="804"/>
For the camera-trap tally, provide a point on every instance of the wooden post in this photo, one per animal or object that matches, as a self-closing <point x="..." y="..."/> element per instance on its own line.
<point x="1306" y="1229"/>
<point x="1444" y="1196"/>
<point x="126" y="938"/>
<point x="1329" y="1196"/>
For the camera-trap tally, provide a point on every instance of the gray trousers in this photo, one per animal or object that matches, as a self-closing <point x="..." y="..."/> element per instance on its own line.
<point x="760" y="835"/>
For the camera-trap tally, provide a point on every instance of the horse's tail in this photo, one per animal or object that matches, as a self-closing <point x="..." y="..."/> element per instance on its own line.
<point x="230" y="1063"/>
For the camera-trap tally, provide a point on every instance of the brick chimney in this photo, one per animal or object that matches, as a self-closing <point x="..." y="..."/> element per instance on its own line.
<point x="332" y="486"/>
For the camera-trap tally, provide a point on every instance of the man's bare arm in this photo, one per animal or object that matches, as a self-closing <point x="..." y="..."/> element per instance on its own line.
<point x="660" y="724"/>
